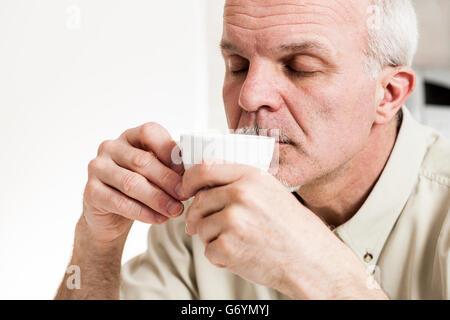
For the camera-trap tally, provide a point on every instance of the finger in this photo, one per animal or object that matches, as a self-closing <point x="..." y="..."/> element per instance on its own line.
<point x="219" y="251"/>
<point x="137" y="187"/>
<point x="206" y="202"/>
<point x="153" y="137"/>
<point x="210" y="227"/>
<point x="211" y="174"/>
<point x="146" y="164"/>
<point x="110" y="200"/>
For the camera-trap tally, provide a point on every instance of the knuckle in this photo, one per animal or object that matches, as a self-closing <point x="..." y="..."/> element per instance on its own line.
<point x="239" y="230"/>
<point x="167" y="177"/>
<point x="104" y="146"/>
<point x="204" y="169"/>
<point x="93" y="166"/>
<point x="124" y="135"/>
<point x="148" y="129"/>
<point x="91" y="191"/>
<point x="148" y="132"/>
<point x="224" y="246"/>
<point x="137" y="212"/>
<point x="122" y="204"/>
<point x="230" y="218"/>
<point x="201" y="231"/>
<point x="210" y="252"/>
<point x="198" y="198"/>
<point x="157" y="199"/>
<point x="129" y="181"/>
<point x="238" y="193"/>
<point x="235" y="223"/>
<point x="143" y="159"/>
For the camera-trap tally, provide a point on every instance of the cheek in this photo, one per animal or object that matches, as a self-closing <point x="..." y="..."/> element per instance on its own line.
<point x="346" y="103"/>
<point x="336" y="119"/>
<point x="357" y="106"/>
<point x="231" y="91"/>
<point x="345" y="126"/>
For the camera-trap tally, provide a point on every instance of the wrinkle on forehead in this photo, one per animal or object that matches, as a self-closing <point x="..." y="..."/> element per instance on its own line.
<point x="263" y="14"/>
<point x="258" y="25"/>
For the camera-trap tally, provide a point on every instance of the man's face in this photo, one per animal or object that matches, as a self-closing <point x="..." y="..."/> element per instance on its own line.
<point x="298" y="66"/>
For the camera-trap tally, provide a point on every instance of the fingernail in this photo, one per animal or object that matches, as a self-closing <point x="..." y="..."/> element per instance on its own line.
<point x="178" y="190"/>
<point x="188" y="229"/>
<point x="161" y="219"/>
<point x="175" y="208"/>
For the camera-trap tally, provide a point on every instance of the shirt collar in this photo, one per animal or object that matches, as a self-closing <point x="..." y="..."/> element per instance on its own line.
<point x="367" y="231"/>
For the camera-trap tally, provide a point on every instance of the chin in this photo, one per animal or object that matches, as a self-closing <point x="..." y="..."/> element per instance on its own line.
<point x="287" y="176"/>
<point x="292" y="168"/>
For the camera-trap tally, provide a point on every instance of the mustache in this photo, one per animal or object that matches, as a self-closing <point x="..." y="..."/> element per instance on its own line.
<point x="256" y="130"/>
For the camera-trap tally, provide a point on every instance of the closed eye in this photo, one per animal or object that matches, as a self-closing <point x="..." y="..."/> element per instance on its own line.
<point x="287" y="68"/>
<point x="292" y="72"/>
<point x="241" y="71"/>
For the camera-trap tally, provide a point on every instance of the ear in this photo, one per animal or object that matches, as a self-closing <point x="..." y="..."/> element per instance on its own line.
<point x="397" y="84"/>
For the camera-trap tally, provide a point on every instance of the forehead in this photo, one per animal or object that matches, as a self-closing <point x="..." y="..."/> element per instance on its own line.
<point x="265" y="24"/>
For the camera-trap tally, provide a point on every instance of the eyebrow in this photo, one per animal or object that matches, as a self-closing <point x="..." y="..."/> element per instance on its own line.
<point x="228" y="46"/>
<point x="304" y="46"/>
<point x="286" y="48"/>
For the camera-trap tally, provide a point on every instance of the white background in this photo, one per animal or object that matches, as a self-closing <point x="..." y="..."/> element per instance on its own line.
<point x="64" y="88"/>
<point x="66" y="84"/>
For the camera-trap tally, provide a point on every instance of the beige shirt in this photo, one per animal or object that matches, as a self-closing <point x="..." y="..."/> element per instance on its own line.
<point x="401" y="233"/>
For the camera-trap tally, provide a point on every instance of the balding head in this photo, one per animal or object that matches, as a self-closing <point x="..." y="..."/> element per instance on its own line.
<point x="301" y="66"/>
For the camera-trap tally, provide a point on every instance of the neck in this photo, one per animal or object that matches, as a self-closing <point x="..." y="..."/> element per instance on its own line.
<point x="338" y="196"/>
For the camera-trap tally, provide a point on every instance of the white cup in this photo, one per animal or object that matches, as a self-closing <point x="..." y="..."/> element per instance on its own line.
<point x="252" y="150"/>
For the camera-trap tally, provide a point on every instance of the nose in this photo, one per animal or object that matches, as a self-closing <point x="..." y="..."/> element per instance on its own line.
<point x="260" y="89"/>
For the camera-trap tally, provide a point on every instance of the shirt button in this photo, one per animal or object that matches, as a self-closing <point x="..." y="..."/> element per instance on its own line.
<point x="368" y="257"/>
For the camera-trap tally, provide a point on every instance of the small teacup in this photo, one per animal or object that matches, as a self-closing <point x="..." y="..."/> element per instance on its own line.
<point x="252" y="150"/>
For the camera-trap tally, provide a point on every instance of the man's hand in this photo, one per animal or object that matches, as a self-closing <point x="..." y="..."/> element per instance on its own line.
<point x="132" y="178"/>
<point x="253" y="226"/>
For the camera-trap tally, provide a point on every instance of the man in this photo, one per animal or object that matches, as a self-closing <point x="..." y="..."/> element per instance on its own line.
<point x="371" y="185"/>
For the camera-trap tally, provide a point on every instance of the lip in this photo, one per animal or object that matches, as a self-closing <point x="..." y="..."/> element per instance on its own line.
<point x="283" y="145"/>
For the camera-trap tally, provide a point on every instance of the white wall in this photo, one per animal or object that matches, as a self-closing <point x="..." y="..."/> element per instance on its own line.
<point x="66" y="84"/>
<point x="434" y="25"/>
<point x="216" y="66"/>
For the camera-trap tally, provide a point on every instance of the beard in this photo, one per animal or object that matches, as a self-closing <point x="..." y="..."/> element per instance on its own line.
<point x="278" y="134"/>
<point x="280" y="137"/>
<point x="288" y="186"/>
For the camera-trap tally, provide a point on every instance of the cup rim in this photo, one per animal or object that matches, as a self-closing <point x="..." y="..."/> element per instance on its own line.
<point x="225" y="135"/>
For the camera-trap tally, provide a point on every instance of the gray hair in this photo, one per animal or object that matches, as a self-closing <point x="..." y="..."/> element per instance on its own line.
<point x="392" y="35"/>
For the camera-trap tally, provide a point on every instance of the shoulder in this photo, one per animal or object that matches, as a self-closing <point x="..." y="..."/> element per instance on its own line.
<point x="436" y="164"/>
<point x="429" y="201"/>
<point x="435" y="172"/>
